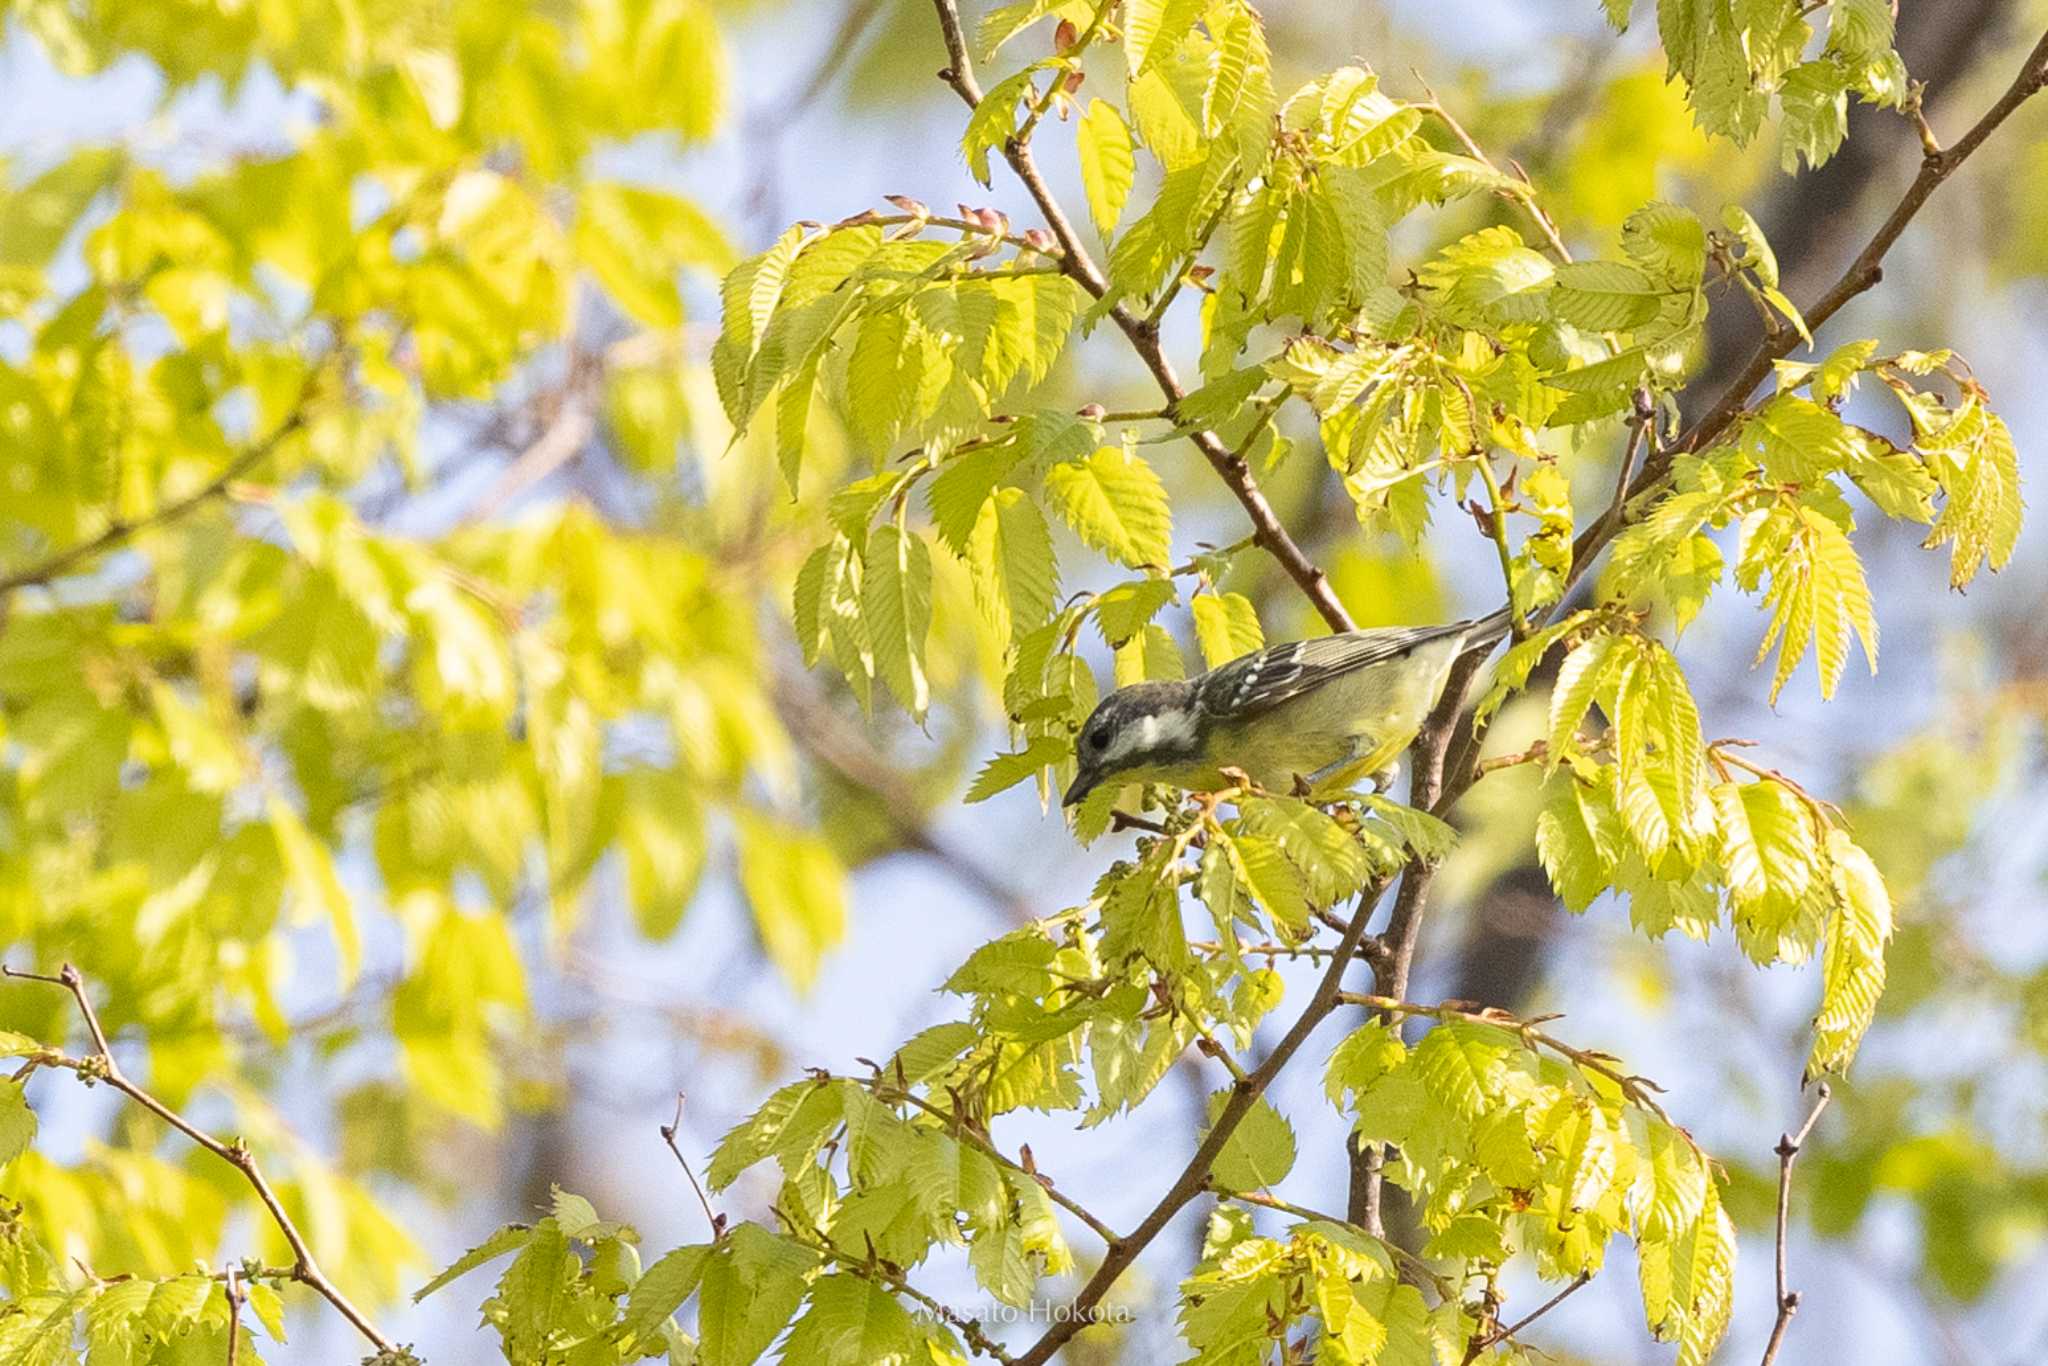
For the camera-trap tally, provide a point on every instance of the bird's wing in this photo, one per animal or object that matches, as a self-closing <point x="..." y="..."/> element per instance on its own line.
<point x="1258" y="682"/>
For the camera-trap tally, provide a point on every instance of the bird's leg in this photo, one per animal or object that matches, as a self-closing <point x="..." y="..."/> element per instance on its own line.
<point x="1384" y="780"/>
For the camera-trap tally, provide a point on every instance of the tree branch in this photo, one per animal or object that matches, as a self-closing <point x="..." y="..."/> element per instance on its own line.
<point x="1267" y="532"/>
<point x="1194" y="1177"/>
<point x="101" y="1066"/>
<point x="1864" y="272"/>
<point x="845" y="749"/>
<point x="890" y="1279"/>
<point x="961" y="1130"/>
<point x="1499" y="1335"/>
<point x="1426" y="791"/>
<point x="1788" y="1149"/>
<point x="121" y="530"/>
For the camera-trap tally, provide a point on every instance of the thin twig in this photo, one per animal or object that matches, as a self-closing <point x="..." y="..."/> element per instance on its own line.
<point x="668" y="1136"/>
<point x="235" y="1297"/>
<point x="962" y="1131"/>
<point x="1401" y="1254"/>
<point x="871" y="1268"/>
<point x="1862" y="273"/>
<point x="121" y="530"/>
<point x="1788" y="1149"/>
<point x="235" y="1153"/>
<point x="1268" y="532"/>
<point x="1518" y="192"/>
<point x="1499" y="1335"/>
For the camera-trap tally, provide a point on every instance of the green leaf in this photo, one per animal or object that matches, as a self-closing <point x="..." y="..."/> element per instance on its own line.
<point x="750" y="1286"/>
<point x="1108" y="163"/>
<point x="1815" y="100"/>
<point x="1462" y="1062"/>
<point x="1853" y="972"/>
<point x="1668" y="241"/>
<point x="1116" y="504"/>
<point x="1010" y="555"/>
<point x="1577" y="838"/>
<point x="1368" y="1053"/>
<point x="1005" y="22"/>
<point x="1604" y="296"/>
<point x="1579" y="679"/>
<point x="796" y="889"/>
<point x="17" y="1121"/>
<point x="896" y="603"/>
<point x="1260" y="1150"/>
<point x="661" y="1290"/>
<point x="1703" y="1281"/>
<point x="1274" y="881"/>
<point x="1154" y="28"/>
<point x="1005" y="771"/>
<point x="993" y="122"/>
<point x="1226" y="627"/>
<point x="1860" y="29"/>
<point x="510" y="1238"/>
<point x="852" y="1322"/>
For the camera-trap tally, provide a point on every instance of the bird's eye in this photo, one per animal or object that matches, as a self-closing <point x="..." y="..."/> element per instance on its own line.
<point x="1098" y="738"/>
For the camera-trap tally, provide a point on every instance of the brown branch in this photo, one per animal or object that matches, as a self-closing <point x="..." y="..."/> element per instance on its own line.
<point x="873" y="1269"/>
<point x="121" y="529"/>
<point x="1426" y="792"/>
<point x="1864" y="272"/>
<point x="847" y="751"/>
<point x="235" y="1297"/>
<point x="668" y="1136"/>
<point x="1788" y="1149"/>
<point x="1498" y="1335"/>
<point x="962" y="1131"/>
<point x="101" y="1066"/>
<point x="1231" y="467"/>
<point x="1194" y="1177"/>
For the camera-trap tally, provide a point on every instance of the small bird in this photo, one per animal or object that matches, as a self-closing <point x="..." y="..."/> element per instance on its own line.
<point x="1309" y="711"/>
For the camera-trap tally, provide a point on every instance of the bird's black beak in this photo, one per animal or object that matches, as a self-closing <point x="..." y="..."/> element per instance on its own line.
<point x="1083" y="784"/>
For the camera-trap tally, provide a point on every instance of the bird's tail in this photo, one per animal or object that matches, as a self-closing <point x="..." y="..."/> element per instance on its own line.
<point x="1489" y="628"/>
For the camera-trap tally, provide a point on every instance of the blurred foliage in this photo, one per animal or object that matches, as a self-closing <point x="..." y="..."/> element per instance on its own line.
<point x="304" y="698"/>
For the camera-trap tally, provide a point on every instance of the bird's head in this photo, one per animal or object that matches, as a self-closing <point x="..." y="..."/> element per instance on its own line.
<point x="1133" y="733"/>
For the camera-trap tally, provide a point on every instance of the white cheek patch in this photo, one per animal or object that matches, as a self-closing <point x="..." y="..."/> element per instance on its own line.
<point x="1153" y="735"/>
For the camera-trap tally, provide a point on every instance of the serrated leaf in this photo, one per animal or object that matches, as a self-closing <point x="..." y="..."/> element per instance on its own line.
<point x="1154" y="28"/>
<point x="1853" y="971"/>
<point x="1122" y="612"/>
<point x="1005" y="771"/>
<point x="1116" y="504"/>
<point x="1108" y="163"/>
<point x="1010" y="556"/>
<point x="1604" y="296"/>
<point x="750" y="1286"/>
<point x="1260" y="1150"/>
<point x="896" y="603"/>
<point x="1667" y="240"/>
<point x="1579" y="680"/>
<point x="510" y="1238"/>
<point x="1226" y="627"/>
